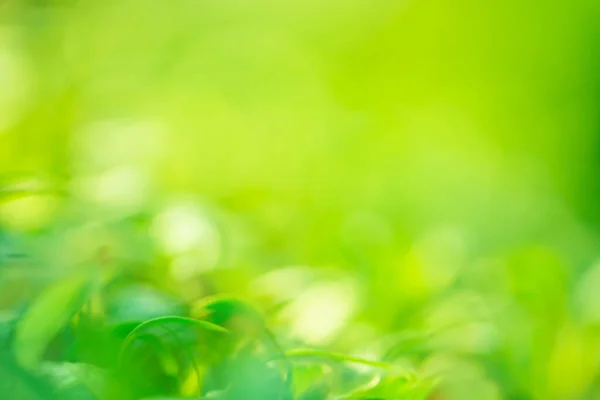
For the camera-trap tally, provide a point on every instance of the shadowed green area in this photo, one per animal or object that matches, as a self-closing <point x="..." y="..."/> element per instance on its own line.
<point x="299" y="200"/>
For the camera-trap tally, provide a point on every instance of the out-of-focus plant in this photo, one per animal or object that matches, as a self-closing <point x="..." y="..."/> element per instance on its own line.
<point x="99" y="332"/>
<point x="299" y="199"/>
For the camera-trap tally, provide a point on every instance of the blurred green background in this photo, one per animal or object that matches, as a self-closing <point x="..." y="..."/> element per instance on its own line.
<point x="371" y="169"/>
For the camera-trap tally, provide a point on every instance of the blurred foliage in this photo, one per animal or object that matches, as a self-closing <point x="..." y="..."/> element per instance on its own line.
<point x="344" y="199"/>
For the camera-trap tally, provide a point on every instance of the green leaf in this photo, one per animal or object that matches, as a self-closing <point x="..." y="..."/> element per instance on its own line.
<point x="158" y="354"/>
<point x="234" y="314"/>
<point x="163" y="322"/>
<point x="50" y="311"/>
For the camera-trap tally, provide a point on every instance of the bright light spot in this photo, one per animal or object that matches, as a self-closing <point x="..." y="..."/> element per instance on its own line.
<point x="365" y="355"/>
<point x="283" y="283"/>
<point x="185" y="229"/>
<point x="322" y="311"/>
<point x="108" y="143"/>
<point x="125" y="186"/>
<point x="588" y="295"/>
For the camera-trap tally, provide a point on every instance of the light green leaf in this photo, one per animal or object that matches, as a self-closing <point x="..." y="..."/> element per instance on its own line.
<point x="50" y="311"/>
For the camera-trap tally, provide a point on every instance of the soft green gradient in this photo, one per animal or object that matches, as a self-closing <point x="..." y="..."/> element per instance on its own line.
<point x="398" y="166"/>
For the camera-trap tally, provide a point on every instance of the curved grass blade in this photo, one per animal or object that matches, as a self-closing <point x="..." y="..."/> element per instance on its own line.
<point x="202" y="325"/>
<point x="243" y="318"/>
<point x="169" y="355"/>
<point x="336" y="357"/>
